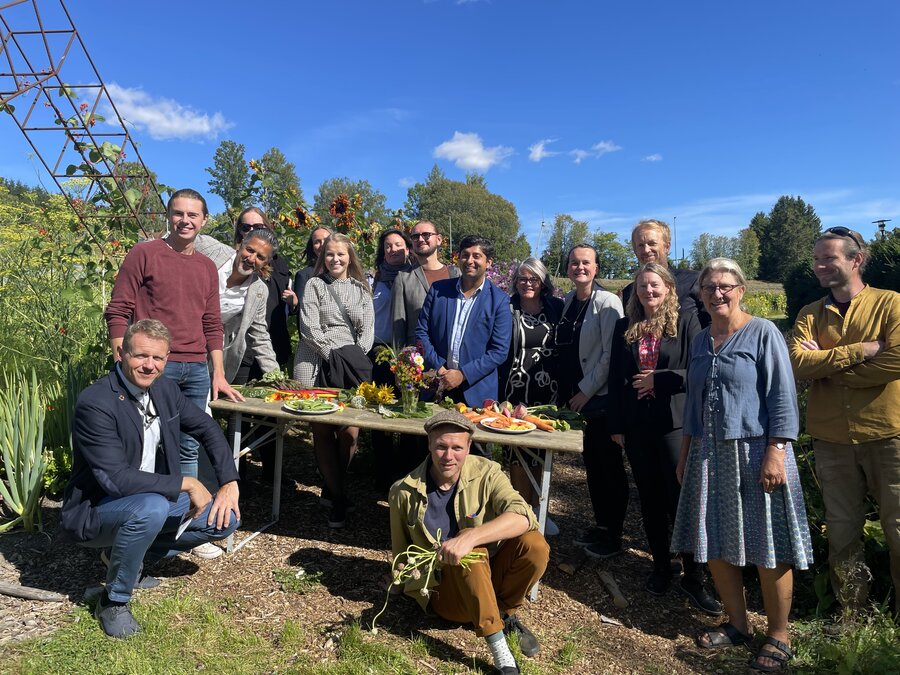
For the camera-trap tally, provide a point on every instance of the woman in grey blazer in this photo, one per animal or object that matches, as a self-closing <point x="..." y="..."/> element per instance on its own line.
<point x="584" y="339"/>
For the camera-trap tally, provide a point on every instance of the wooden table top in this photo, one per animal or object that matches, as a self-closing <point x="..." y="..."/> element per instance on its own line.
<point x="560" y="441"/>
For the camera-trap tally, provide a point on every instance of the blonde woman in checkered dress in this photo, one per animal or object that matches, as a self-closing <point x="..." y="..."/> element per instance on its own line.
<point x="324" y="326"/>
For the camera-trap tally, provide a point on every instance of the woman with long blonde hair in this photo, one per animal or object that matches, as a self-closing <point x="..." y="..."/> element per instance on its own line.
<point x="336" y="319"/>
<point x="650" y="350"/>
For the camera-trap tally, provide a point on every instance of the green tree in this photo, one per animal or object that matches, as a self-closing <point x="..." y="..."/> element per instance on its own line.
<point x="230" y="175"/>
<point x="786" y="236"/>
<point x="374" y="203"/>
<point x="708" y="246"/>
<point x="746" y="252"/>
<point x="565" y="234"/>
<point x="616" y="258"/>
<point x="284" y="179"/>
<point x="470" y="208"/>
<point x="883" y="267"/>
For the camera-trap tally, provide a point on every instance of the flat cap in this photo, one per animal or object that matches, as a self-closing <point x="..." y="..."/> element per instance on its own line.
<point x="449" y="418"/>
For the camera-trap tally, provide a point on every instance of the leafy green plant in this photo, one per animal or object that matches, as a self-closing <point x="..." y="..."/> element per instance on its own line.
<point x="22" y="411"/>
<point x="766" y="304"/>
<point x="863" y="645"/>
<point x="297" y="580"/>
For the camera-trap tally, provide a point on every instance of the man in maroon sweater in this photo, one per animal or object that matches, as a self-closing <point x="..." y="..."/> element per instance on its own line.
<point x="165" y="279"/>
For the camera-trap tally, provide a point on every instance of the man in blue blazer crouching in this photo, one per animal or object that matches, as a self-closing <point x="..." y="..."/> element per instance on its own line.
<point x="126" y="494"/>
<point x="465" y="326"/>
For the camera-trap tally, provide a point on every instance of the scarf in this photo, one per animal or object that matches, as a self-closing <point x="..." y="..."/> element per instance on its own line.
<point x="387" y="274"/>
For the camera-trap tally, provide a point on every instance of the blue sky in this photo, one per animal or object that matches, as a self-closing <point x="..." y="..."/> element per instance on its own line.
<point x="702" y="111"/>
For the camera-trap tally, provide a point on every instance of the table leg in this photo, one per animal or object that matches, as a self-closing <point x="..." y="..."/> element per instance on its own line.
<point x="236" y="453"/>
<point x="546" y="471"/>
<point x="276" y="473"/>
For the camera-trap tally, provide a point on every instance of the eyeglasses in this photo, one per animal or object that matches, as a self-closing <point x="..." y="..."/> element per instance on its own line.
<point x="425" y="236"/>
<point x="845" y="232"/>
<point x="529" y="281"/>
<point x="725" y="289"/>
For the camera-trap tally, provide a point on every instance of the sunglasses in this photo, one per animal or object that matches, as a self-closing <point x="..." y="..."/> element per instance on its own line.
<point x="846" y="232"/>
<point x="422" y="235"/>
<point x="244" y="228"/>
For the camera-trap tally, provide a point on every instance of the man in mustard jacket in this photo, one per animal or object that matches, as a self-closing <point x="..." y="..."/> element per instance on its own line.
<point x="848" y="344"/>
<point x="470" y="501"/>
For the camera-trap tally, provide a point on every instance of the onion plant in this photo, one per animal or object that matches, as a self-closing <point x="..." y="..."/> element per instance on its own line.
<point x="22" y="412"/>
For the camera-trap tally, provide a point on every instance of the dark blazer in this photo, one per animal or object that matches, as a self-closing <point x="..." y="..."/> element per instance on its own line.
<point x="486" y="341"/>
<point x="688" y="290"/>
<point x="108" y="440"/>
<point x="303" y="275"/>
<point x="276" y="314"/>
<point x="407" y="297"/>
<point x="664" y="411"/>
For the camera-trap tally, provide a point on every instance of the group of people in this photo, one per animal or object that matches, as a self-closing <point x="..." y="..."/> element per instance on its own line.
<point x="699" y="395"/>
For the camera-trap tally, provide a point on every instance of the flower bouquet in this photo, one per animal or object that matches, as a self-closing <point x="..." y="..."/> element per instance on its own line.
<point x="408" y="367"/>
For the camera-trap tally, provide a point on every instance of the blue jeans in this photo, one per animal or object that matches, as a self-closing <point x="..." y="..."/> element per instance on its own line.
<point x="193" y="380"/>
<point x="142" y="527"/>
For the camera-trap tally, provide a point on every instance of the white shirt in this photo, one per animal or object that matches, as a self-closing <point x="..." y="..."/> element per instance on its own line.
<point x="231" y="300"/>
<point x="149" y="422"/>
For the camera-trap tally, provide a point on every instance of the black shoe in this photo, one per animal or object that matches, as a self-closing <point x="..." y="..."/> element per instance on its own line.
<point x="337" y="517"/>
<point x="326" y="502"/>
<point x="508" y="670"/>
<point x="592" y="535"/>
<point x="700" y="596"/>
<point x="528" y="643"/>
<point x="144" y="581"/>
<point x="604" y="549"/>
<point x="115" y="618"/>
<point x="658" y="583"/>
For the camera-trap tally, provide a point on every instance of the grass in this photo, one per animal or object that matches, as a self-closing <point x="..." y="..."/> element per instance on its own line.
<point x="183" y="633"/>
<point x="869" y="644"/>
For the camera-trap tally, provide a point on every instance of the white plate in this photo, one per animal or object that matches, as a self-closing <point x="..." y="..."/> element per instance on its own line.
<point x="332" y="407"/>
<point x="486" y="424"/>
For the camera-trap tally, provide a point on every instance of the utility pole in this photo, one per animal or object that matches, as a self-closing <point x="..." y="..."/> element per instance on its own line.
<point x="675" y="235"/>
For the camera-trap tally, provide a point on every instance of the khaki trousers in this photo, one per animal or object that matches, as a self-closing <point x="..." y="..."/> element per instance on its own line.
<point x="846" y="473"/>
<point x="481" y="594"/>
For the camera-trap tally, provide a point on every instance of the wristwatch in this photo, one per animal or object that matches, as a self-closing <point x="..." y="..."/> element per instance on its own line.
<point x="779" y="446"/>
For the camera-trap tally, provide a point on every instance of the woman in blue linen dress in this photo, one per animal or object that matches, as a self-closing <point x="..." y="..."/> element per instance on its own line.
<point x="741" y="501"/>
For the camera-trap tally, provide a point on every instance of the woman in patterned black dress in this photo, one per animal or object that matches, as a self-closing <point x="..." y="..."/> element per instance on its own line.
<point x="532" y="362"/>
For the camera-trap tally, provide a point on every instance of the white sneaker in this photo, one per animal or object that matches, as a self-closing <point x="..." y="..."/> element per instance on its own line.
<point x="551" y="529"/>
<point x="207" y="551"/>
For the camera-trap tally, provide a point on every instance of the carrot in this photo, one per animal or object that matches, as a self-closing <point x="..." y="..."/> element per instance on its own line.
<point x="543" y="425"/>
<point x="476" y="417"/>
<point x="501" y="422"/>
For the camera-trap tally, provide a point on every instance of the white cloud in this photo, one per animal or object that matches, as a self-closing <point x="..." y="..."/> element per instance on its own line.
<point x="467" y="151"/>
<point x="406" y="182"/>
<point x="604" y="147"/>
<point x="579" y="155"/>
<point x="655" y="157"/>
<point x="164" y="118"/>
<point x="538" y="151"/>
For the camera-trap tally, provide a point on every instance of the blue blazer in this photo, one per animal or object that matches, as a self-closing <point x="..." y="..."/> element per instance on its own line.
<point x="486" y="342"/>
<point x="108" y="441"/>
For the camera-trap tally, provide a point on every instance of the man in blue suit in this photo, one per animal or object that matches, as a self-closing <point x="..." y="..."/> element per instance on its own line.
<point x="465" y="327"/>
<point x="126" y="494"/>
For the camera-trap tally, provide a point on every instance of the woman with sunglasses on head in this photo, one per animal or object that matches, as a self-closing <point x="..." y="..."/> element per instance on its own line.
<point x="337" y="328"/>
<point x="646" y="401"/>
<point x="741" y="501"/>
<point x="531" y="368"/>
<point x="281" y="298"/>
<point x="584" y="340"/>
